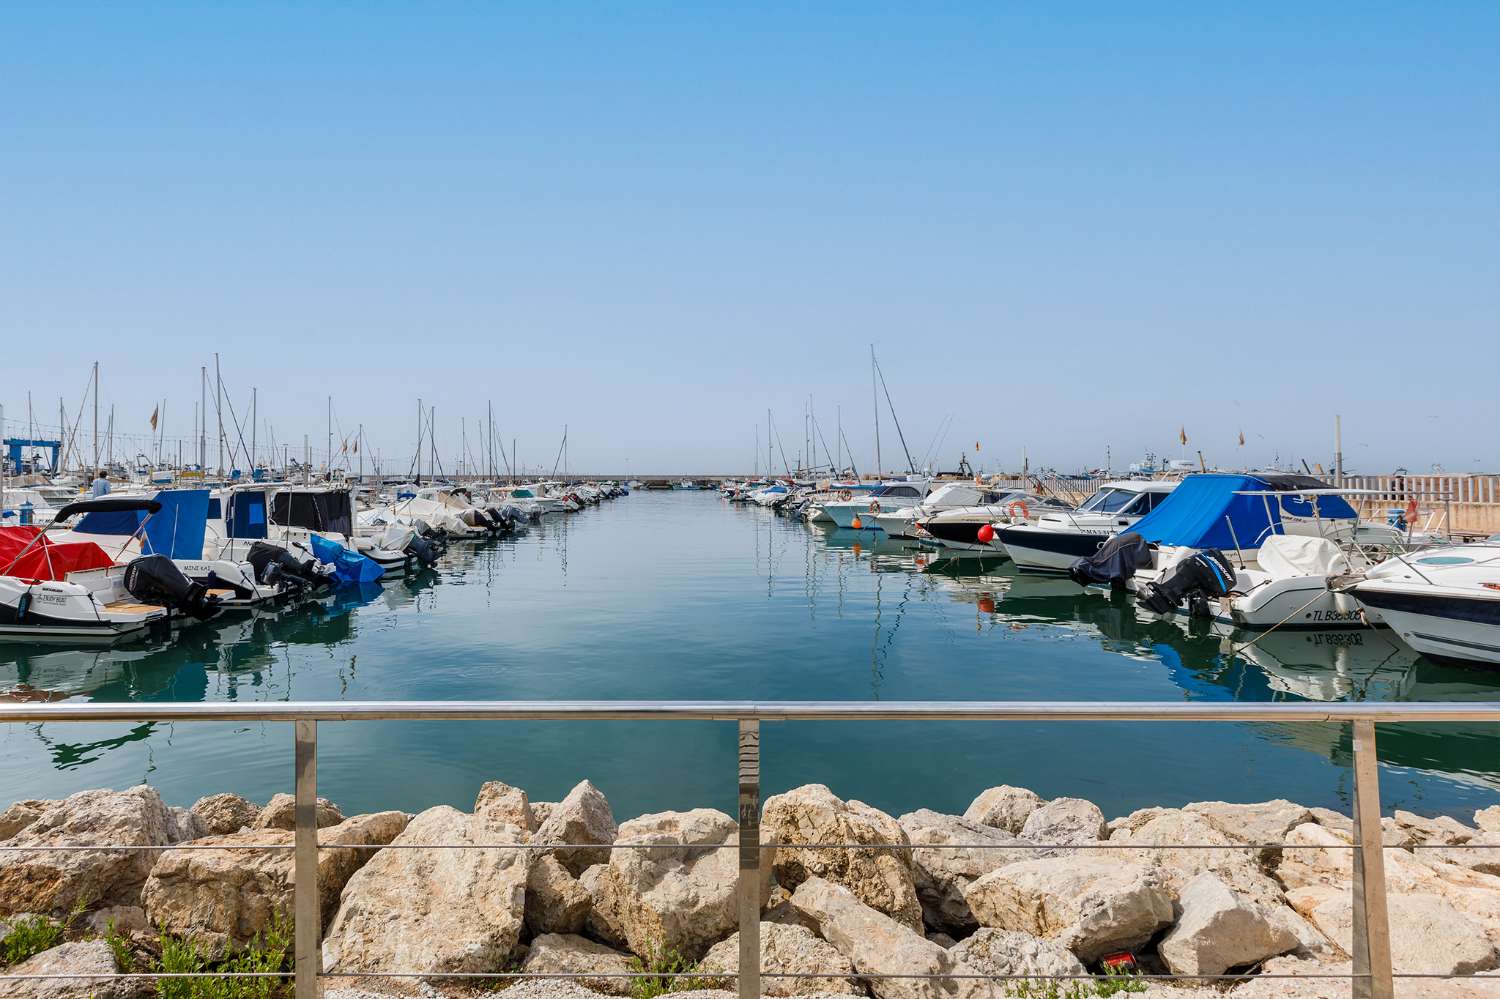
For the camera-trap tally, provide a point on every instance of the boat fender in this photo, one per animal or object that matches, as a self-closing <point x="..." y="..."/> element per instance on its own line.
<point x="22" y="606"/>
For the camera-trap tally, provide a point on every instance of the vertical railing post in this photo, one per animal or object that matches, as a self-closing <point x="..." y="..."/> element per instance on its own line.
<point x="1372" y="931"/>
<point x="750" y="860"/>
<point x="307" y="918"/>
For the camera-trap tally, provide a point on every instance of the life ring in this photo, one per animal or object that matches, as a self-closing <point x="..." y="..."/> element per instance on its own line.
<point x="1010" y="510"/>
<point x="846" y="494"/>
<point x="874" y="506"/>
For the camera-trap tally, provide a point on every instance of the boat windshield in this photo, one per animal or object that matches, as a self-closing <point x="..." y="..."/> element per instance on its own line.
<point x="1107" y="501"/>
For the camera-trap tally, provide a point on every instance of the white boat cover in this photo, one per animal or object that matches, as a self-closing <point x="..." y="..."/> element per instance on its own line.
<point x="1283" y="556"/>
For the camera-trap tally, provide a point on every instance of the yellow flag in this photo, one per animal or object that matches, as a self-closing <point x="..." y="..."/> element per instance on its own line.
<point x="154" y="414"/>
<point x="1182" y="435"/>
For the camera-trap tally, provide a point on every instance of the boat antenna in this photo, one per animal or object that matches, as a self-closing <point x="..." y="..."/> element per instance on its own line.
<point x="894" y="418"/>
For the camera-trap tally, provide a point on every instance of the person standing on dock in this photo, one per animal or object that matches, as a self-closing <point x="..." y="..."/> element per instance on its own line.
<point x="101" y="485"/>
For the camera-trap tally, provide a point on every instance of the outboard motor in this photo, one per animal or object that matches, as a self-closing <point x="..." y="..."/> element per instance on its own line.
<point x="156" y="579"/>
<point x="426" y="552"/>
<point x="1200" y="578"/>
<point x="275" y="565"/>
<point x="1115" y="562"/>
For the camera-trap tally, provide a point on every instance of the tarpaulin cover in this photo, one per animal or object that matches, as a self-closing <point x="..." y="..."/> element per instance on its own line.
<point x="1199" y="512"/>
<point x="176" y="530"/>
<point x="247" y="514"/>
<point x="321" y="510"/>
<point x="349" y="567"/>
<point x="46" y="560"/>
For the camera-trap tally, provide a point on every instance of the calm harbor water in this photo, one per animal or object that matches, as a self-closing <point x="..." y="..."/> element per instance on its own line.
<point x="683" y="596"/>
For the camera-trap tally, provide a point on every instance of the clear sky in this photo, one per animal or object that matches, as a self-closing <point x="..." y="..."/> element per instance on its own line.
<point x="1066" y="226"/>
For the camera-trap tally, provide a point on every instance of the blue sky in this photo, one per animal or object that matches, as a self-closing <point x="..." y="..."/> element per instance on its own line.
<point x="1067" y="228"/>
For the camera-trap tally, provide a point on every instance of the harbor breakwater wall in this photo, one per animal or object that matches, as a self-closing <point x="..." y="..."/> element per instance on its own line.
<point x="1016" y="886"/>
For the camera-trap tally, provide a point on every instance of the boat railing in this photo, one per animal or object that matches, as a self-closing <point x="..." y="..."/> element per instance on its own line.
<point x="1371" y="976"/>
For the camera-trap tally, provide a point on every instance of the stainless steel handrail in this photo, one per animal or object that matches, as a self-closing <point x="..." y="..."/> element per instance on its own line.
<point x="1372" y="976"/>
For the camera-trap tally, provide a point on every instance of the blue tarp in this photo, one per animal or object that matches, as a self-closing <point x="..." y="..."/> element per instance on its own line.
<point x="349" y="567"/>
<point x="1199" y="512"/>
<point x="176" y="530"/>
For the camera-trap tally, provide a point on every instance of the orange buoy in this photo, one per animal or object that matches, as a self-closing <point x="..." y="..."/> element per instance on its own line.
<point x="858" y="524"/>
<point x="987" y="604"/>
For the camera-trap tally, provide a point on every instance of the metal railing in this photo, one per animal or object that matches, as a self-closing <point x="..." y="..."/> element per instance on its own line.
<point x="1372" y="974"/>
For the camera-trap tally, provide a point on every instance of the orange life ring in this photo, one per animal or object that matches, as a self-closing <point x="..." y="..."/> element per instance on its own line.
<point x="846" y="494"/>
<point x="1010" y="509"/>
<point x="874" y="506"/>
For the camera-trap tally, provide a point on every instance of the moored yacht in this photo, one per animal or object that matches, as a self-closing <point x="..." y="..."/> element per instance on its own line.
<point x="889" y="496"/>
<point x="901" y="522"/>
<point x="1443" y="602"/>
<point x="1058" y="538"/>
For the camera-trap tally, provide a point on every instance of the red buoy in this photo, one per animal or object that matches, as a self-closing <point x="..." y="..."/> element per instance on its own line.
<point x="986" y="534"/>
<point x="857" y="524"/>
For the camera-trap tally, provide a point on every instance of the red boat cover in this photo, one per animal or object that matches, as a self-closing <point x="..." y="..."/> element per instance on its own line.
<point x="46" y="560"/>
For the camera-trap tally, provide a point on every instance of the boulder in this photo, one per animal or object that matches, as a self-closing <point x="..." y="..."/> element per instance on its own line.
<point x="583" y="817"/>
<point x="84" y="957"/>
<point x="1088" y="904"/>
<point x="281" y="813"/>
<point x="20" y="815"/>
<point x="1487" y="819"/>
<point x="567" y="954"/>
<point x="1137" y="818"/>
<point x="1235" y="864"/>
<point x="1066" y="820"/>
<point x="502" y="804"/>
<point x="1005" y="808"/>
<point x="941" y="939"/>
<point x="879" y="875"/>
<point x="877" y="945"/>
<point x="232" y="893"/>
<point x="225" y="813"/>
<point x="556" y="902"/>
<point x="1428" y="934"/>
<point x="787" y="950"/>
<point x="678" y="896"/>
<point x="185" y="825"/>
<point x="1262" y="823"/>
<point x="1441" y="830"/>
<point x="1008" y="952"/>
<point x="942" y="871"/>
<point x="123" y="919"/>
<point x="1219" y="929"/>
<point x="48" y="882"/>
<point x="541" y="811"/>
<point x="433" y="910"/>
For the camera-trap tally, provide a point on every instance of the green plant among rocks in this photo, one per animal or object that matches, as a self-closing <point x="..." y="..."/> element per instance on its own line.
<point x="265" y="955"/>
<point x="30" y="935"/>
<point x="659" y="972"/>
<point x="1110" y="984"/>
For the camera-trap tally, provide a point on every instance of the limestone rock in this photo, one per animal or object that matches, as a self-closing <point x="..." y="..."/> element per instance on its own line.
<point x="53" y="882"/>
<point x="787" y="950"/>
<point x="1137" y="818"/>
<point x="583" y="817"/>
<point x="232" y="893"/>
<point x="1005" y="808"/>
<point x="1008" y="952"/>
<point x="84" y="957"/>
<point x="1089" y="904"/>
<point x="679" y="896"/>
<point x="20" y="815"/>
<point x="1488" y="819"/>
<point x="1066" y="820"/>
<point x="281" y="813"/>
<point x="567" y="954"/>
<point x="876" y="944"/>
<point x="1235" y="864"/>
<point x="1262" y="823"/>
<point x="880" y="876"/>
<point x="942" y="939"/>
<point x="542" y="810"/>
<point x="1219" y="929"/>
<point x="125" y="919"/>
<point x="556" y="903"/>
<point x="185" y="826"/>
<point x="225" y="813"/>
<point x="502" y="804"/>
<point x="942" y="872"/>
<point x="432" y="910"/>
<point x="1428" y="935"/>
<point x="1438" y="831"/>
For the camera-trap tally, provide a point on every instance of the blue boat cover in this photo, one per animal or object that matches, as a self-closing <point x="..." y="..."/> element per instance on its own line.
<point x="1199" y="512"/>
<point x="348" y="567"/>
<point x="247" y="514"/>
<point x="176" y="530"/>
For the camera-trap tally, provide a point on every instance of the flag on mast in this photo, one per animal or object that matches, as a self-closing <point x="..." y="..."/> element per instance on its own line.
<point x="1182" y="435"/>
<point x="1242" y="438"/>
<point x="154" y="414"/>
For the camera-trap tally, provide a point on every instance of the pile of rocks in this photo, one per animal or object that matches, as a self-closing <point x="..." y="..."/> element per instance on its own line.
<point x="1015" y="887"/>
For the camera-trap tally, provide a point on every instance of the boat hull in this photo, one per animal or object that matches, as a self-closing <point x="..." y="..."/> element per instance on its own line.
<point x="1438" y="622"/>
<point x="1035" y="550"/>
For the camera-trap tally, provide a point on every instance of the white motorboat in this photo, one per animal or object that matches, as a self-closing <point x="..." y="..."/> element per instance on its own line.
<point x="889" y="496"/>
<point x="901" y="522"/>
<point x="1058" y="538"/>
<point x="974" y="530"/>
<point x="1443" y="602"/>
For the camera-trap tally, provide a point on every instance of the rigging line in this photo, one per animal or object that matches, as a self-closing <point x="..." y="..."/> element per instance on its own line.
<point x="819" y="431"/>
<point x="894" y="418"/>
<point x="559" y="454"/>
<point x="239" y="432"/>
<point x="777" y="432"/>
<point x="932" y="447"/>
<point x="852" y="467"/>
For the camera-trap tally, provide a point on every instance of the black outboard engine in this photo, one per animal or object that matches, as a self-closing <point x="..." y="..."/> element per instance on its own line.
<point x="426" y="552"/>
<point x="275" y="565"/>
<point x="1115" y="562"/>
<point x="156" y="579"/>
<point x="1200" y="578"/>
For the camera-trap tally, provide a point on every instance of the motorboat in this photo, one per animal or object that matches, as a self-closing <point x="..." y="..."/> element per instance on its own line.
<point x="1058" y="538"/>
<point x="852" y="507"/>
<point x="1443" y="602"/>
<point x="901" y="522"/>
<point x="75" y="591"/>
<point x="974" y="530"/>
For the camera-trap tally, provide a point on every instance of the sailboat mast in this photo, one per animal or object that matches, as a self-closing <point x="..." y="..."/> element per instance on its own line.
<point x="254" y="400"/>
<point x="202" y="418"/>
<point x="219" y="409"/>
<point x="96" y="415"/>
<point x="875" y="400"/>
